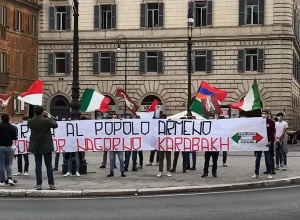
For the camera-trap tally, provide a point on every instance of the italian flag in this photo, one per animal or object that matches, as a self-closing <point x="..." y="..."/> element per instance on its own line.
<point x="34" y="95"/>
<point x="251" y="100"/>
<point x="92" y="101"/>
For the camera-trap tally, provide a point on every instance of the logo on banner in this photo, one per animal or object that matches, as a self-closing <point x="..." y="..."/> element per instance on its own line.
<point x="247" y="137"/>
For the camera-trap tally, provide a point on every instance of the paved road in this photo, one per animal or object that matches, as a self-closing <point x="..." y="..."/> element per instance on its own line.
<point x="277" y="204"/>
<point x="240" y="170"/>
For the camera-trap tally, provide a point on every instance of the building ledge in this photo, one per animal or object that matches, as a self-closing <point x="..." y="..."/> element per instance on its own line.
<point x="29" y="4"/>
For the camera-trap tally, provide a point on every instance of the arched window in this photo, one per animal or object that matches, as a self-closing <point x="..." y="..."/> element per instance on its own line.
<point x="60" y="107"/>
<point x="112" y="109"/>
<point x="253" y="113"/>
<point x="148" y="100"/>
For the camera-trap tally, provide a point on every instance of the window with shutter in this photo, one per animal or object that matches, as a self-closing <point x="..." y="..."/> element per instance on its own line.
<point x="209" y="13"/>
<point x="143" y="15"/>
<point x="96" y="16"/>
<point x="114" y="16"/>
<point x="241" y="61"/>
<point x="261" y="60"/>
<point x="105" y="16"/>
<point x="112" y="62"/>
<point x="68" y="18"/>
<point x="142" y="62"/>
<point x="152" y="15"/>
<point x="241" y="12"/>
<point x="161" y="15"/>
<point x="208" y="61"/>
<point x="105" y="62"/>
<point x="52" y="18"/>
<point x="160" y="60"/>
<point x="51" y="63"/>
<point x="96" y="69"/>
<point x="67" y="63"/>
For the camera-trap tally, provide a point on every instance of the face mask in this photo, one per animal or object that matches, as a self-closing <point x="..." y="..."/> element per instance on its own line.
<point x="279" y="118"/>
<point x="264" y="115"/>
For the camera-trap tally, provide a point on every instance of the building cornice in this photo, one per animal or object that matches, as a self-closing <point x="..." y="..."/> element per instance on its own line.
<point x="29" y="4"/>
<point x="173" y="40"/>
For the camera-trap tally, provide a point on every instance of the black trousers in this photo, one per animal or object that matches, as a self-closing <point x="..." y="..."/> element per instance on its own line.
<point x="20" y="164"/>
<point x="141" y="157"/>
<point x="152" y="154"/>
<point x="184" y="160"/>
<point x="214" y="155"/>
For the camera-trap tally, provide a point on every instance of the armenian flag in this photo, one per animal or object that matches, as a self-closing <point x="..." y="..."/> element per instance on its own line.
<point x="207" y="100"/>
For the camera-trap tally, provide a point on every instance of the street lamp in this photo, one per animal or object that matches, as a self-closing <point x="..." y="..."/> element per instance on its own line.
<point x="190" y="25"/>
<point x="121" y="39"/>
<point x="75" y="103"/>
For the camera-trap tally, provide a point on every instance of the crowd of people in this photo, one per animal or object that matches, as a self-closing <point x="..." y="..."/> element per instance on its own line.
<point x="41" y="146"/>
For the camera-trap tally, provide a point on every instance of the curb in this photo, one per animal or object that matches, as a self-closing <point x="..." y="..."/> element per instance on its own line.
<point x="149" y="191"/>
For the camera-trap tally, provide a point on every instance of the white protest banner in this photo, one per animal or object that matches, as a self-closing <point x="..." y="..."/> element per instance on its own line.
<point x="240" y="134"/>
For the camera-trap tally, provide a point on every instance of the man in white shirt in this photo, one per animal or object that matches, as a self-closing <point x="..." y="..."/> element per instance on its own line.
<point x="280" y="143"/>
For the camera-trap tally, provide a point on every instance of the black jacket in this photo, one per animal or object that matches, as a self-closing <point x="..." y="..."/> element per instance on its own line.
<point x="8" y="133"/>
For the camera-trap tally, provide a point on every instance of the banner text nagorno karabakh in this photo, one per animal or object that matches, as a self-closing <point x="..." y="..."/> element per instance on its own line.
<point x="241" y="134"/>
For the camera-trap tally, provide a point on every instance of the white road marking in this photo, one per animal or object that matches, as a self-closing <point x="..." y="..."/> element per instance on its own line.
<point x="145" y="196"/>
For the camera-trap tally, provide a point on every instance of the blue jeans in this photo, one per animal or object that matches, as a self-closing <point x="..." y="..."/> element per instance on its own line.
<point x="38" y="168"/>
<point x="127" y="158"/>
<point x="268" y="159"/>
<point x="5" y="162"/>
<point x="112" y="158"/>
<point x="76" y="154"/>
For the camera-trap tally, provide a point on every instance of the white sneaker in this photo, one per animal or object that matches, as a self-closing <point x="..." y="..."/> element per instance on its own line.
<point x="157" y="164"/>
<point x="25" y="174"/>
<point x="254" y="176"/>
<point x="77" y="174"/>
<point x="68" y="174"/>
<point x="270" y="176"/>
<point x="225" y="165"/>
<point x="2" y="184"/>
<point x="18" y="174"/>
<point x="169" y="174"/>
<point x="284" y="167"/>
<point x="159" y="174"/>
<point x="11" y="182"/>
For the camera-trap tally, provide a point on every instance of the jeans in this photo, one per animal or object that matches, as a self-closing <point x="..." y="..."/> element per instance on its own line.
<point x="184" y="159"/>
<point x="280" y="156"/>
<point x="56" y="160"/>
<point x="20" y="165"/>
<point x="112" y="158"/>
<point x="268" y="161"/>
<point x="5" y="162"/>
<point x="193" y="159"/>
<point x="127" y="158"/>
<point x="38" y="168"/>
<point x="152" y="153"/>
<point x="104" y="160"/>
<point x="207" y="156"/>
<point x="224" y="157"/>
<point x="161" y="160"/>
<point x="70" y="161"/>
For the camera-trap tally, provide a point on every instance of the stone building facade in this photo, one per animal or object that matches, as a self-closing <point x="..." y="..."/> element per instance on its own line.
<point x="234" y="42"/>
<point x="18" y="51"/>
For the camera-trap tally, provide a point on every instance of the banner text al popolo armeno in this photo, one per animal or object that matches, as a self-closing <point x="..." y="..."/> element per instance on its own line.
<point x="242" y="134"/>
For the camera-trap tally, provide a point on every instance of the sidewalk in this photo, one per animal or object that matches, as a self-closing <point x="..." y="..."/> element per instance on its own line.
<point x="240" y="170"/>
